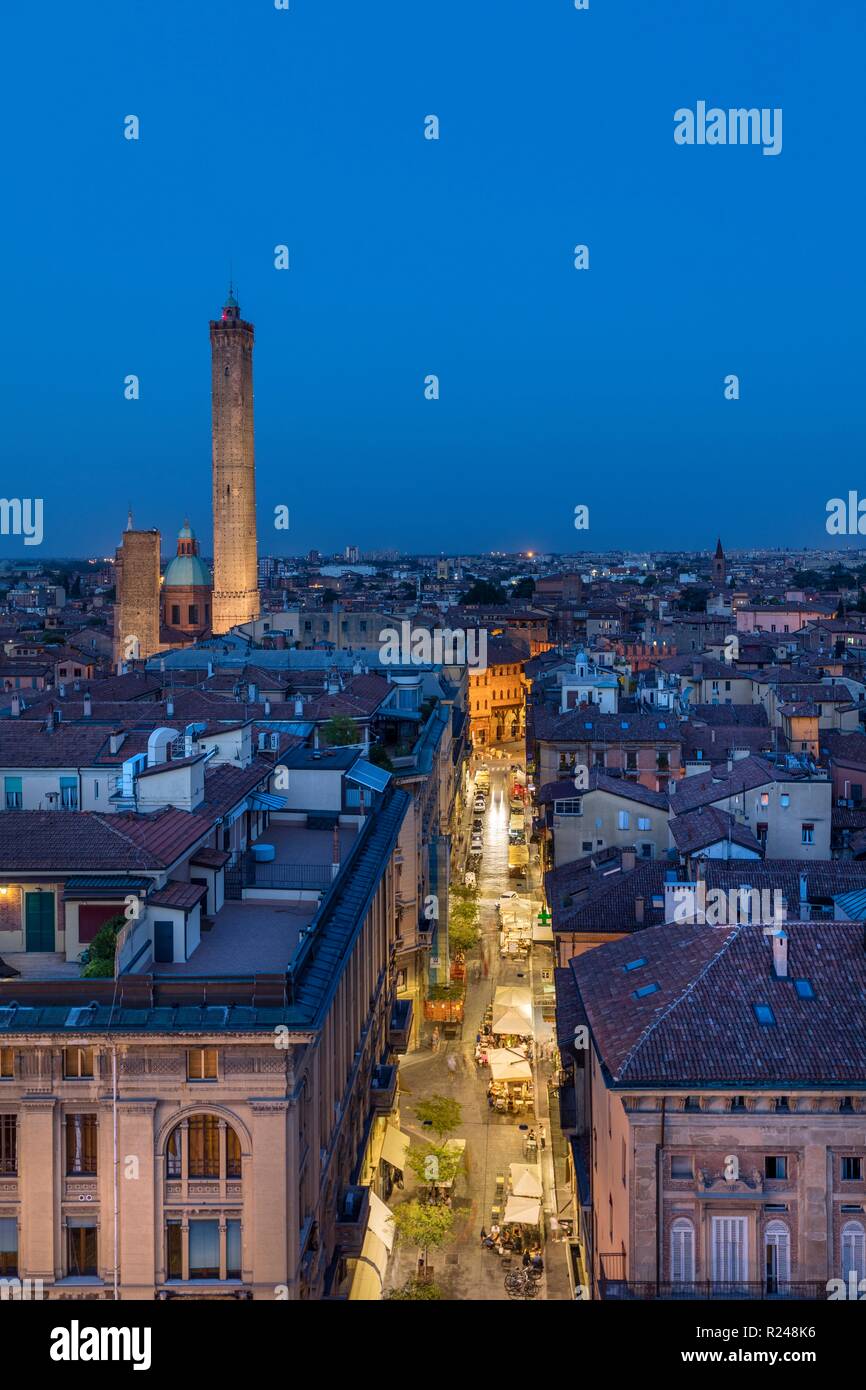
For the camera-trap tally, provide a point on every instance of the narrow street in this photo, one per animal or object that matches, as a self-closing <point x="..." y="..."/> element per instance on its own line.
<point x="465" y="1269"/>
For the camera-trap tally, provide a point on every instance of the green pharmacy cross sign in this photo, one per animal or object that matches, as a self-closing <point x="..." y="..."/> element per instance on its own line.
<point x="544" y="917"/>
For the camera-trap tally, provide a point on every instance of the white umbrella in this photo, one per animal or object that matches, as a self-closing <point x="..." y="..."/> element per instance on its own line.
<point x="522" y="1211"/>
<point x="525" y="1179"/>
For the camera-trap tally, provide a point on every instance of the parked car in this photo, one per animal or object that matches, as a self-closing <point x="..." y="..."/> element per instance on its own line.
<point x="480" y="804"/>
<point x="478" y="823"/>
<point x="477" y="844"/>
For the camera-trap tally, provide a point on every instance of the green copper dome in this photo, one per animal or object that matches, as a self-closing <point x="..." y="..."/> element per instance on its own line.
<point x="187" y="570"/>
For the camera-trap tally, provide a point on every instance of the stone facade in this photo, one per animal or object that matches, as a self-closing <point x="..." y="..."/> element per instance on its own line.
<point x="136" y="610"/>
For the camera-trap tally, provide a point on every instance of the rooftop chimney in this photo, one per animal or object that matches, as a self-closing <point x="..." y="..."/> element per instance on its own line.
<point x="88" y="705"/>
<point x="267" y="706"/>
<point x="627" y="857"/>
<point x="780" y="954"/>
<point x="804" y="888"/>
<point x="299" y="706"/>
<point x="252" y="692"/>
<point x="16" y="705"/>
<point x="639" y="910"/>
<point x="115" y="740"/>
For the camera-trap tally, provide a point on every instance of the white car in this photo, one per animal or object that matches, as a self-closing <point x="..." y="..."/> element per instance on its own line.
<point x="507" y="900"/>
<point x="477" y="844"/>
<point x="480" y="804"/>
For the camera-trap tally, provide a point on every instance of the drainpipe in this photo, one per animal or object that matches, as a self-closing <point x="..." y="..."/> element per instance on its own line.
<point x="114" y="1141"/>
<point x="659" y="1180"/>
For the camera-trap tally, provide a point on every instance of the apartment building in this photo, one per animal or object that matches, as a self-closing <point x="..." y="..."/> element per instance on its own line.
<point x="218" y="1119"/>
<point x="721" y="1100"/>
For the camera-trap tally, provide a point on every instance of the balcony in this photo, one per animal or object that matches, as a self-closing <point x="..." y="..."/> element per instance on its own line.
<point x="400" y="1025"/>
<point x="383" y="1088"/>
<point x="352" y="1215"/>
<point x="707" y="1290"/>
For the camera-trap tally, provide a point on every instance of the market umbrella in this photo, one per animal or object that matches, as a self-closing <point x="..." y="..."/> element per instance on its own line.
<point x="525" y="1179"/>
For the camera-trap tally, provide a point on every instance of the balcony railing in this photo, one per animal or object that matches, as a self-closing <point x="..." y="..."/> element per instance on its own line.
<point x="383" y="1088"/>
<point x="703" y="1290"/>
<point x="400" y="1025"/>
<point x="249" y="873"/>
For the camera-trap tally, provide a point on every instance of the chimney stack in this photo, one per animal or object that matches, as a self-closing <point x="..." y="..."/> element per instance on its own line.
<point x="115" y="740"/>
<point x="299" y="706"/>
<point x="627" y="858"/>
<point x="639" y="910"/>
<point x="16" y="705"/>
<point x="780" y="954"/>
<point x="88" y="705"/>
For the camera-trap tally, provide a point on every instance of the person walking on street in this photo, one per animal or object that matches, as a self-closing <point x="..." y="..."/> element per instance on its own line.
<point x="542" y="1137"/>
<point x="435" y="1043"/>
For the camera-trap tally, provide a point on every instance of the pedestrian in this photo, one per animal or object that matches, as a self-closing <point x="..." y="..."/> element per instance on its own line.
<point x="452" y="1063"/>
<point x="483" y="1236"/>
<point x="435" y="1039"/>
<point x="526" y="1259"/>
<point x="542" y="1137"/>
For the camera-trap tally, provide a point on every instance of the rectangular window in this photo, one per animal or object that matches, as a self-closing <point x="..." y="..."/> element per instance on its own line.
<point x="77" y="1063"/>
<point x="14" y="795"/>
<point x="808" y="836"/>
<point x="643" y="823"/>
<point x="173" y="1250"/>
<point x="8" y="1247"/>
<point x="80" y="1145"/>
<point x="81" y="1249"/>
<point x="681" y="1166"/>
<point x="193" y="615"/>
<point x="623" y="820"/>
<point x="69" y="793"/>
<point x="9" y="1145"/>
<point x="233" y="1250"/>
<point x="201" y="1064"/>
<point x="852" y="1169"/>
<point x="776" y="1167"/>
<point x="204" y="1250"/>
<point x="175" y="615"/>
<point x="730" y="1262"/>
<point x="7" y="1063"/>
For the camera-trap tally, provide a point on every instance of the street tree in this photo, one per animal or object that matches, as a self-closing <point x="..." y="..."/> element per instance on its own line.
<point x="441" y="1113"/>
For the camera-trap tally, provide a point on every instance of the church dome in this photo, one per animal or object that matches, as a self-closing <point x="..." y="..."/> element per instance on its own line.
<point x="186" y="570"/>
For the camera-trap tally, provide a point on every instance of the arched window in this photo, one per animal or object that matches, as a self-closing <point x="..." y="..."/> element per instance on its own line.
<point x="682" y="1251"/>
<point x="777" y="1256"/>
<point x="203" y="1149"/>
<point x="854" y="1250"/>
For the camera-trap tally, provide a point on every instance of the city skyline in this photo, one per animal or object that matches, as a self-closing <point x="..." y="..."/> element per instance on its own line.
<point x="409" y="257"/>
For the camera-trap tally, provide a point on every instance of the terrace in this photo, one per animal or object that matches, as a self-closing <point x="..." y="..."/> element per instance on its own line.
<point x="303" y="860"/>
<point x="246" y="938"/>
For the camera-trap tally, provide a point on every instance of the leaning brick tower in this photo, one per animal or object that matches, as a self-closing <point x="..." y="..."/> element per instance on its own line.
<point x="235" y="591"/>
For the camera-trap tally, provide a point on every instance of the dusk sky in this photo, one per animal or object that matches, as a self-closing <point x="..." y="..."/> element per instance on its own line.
<point x="455" y="257"/>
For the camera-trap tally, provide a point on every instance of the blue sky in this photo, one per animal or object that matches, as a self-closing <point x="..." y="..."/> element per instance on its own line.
<point x="452" y="257"/>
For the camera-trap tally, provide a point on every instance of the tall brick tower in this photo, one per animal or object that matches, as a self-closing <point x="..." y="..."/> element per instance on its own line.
<point x="136" y="605"/>
<point x="235" y="589"/>
<point x="720" y="567"/>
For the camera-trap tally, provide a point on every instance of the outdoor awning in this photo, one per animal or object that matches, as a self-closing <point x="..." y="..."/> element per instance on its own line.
<point x="506" y="1065"/>
<point x="368" y="775"/>
<point x="235" y="813"/>
<point x="381" y="1221"/>
<point x="266" y="801"/>
<point x="512" y="1021"/>
<point x="370" y="1266"/>
<point x="522" y="1211"/>
<point x="100" y="886"/>
<point x="525" y="1179"/>
<point x="542" y="932"/>
<point x="395" y="1147"/>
